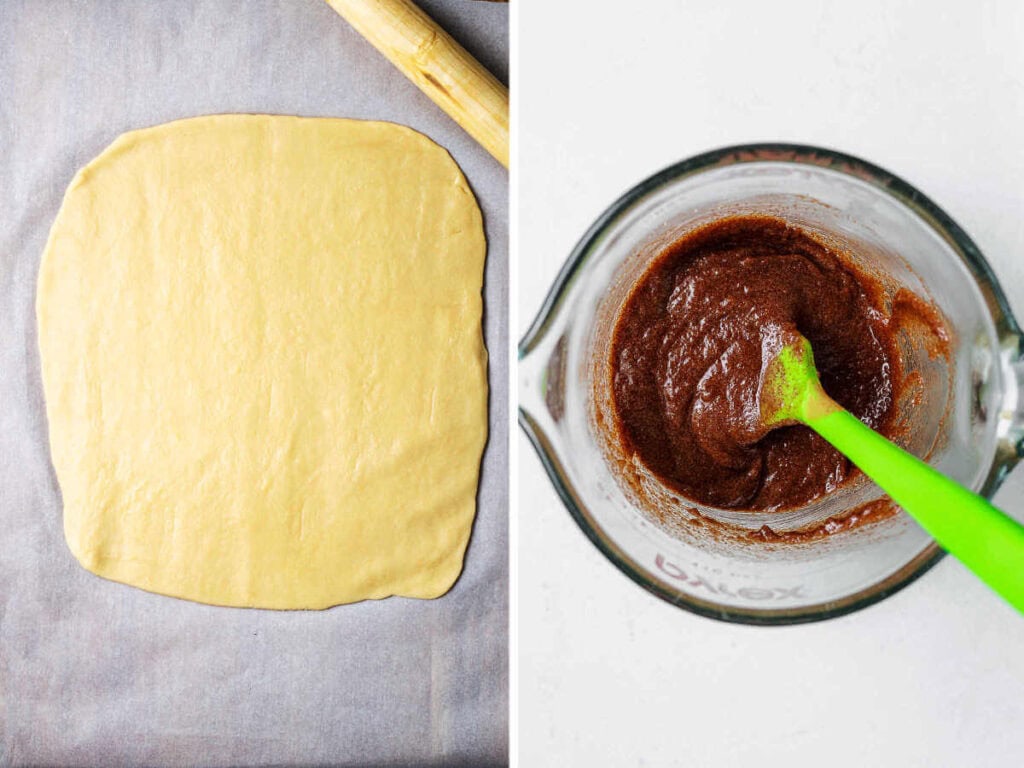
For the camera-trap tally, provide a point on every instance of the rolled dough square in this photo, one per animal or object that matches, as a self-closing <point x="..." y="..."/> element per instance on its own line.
<point x="262" y="357"/>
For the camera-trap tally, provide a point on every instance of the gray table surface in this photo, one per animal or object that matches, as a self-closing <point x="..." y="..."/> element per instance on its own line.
<point x="93" y="672"/>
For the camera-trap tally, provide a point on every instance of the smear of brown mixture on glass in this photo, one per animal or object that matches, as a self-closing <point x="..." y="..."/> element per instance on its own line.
<point x="687" y="358"/>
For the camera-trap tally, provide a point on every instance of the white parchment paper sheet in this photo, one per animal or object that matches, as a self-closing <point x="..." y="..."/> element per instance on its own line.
<point x="97" y="673"/>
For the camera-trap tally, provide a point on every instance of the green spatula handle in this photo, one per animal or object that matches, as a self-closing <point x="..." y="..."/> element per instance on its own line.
<point x="983" y="538"/>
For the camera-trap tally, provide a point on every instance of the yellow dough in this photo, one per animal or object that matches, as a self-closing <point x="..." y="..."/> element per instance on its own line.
<point x="263" y="363"/>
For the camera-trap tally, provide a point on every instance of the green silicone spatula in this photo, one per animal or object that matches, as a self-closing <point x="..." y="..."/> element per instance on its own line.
<point x="966" y="525"/>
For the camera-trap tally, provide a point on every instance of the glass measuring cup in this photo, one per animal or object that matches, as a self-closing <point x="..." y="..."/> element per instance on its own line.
<point x="970" y="425"/>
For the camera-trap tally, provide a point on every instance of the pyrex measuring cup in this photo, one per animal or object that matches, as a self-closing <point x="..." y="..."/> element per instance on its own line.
<point x="970" y="424"/>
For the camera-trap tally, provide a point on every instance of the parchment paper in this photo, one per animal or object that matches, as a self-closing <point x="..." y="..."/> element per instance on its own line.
<point x="97" y="673"/>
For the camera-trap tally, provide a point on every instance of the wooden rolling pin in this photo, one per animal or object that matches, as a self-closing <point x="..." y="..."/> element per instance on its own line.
<point x="439" y="66"/>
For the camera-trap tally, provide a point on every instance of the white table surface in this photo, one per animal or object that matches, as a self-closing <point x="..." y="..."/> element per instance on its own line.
<point x="609" y="93"/>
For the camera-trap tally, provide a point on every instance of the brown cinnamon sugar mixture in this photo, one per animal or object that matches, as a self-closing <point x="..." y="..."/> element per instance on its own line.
<point x="686" y="361"/>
